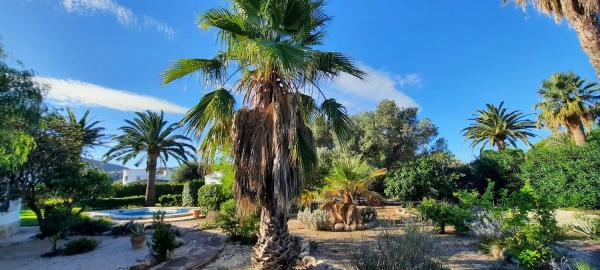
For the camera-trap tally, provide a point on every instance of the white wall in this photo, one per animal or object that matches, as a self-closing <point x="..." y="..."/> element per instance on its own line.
<point x="134" y="175"/>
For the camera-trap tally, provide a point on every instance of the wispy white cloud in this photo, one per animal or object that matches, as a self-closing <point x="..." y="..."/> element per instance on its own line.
<point x="378" y="85"/>
<point x="73" y="92"/>
<point x="124" y="15"/>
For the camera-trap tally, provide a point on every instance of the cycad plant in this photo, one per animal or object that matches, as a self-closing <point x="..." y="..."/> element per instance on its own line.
<point x="495" y="125"/>
<point x="150" y="136"/>
<point x="568" y="101"/>
<point x="268" y="56"/>
<point x="582" y="16"/>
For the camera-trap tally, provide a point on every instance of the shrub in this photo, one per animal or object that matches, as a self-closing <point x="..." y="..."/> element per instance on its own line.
<point x="368" y="214"/>
<point x="317" y="220"/>
<point x="139" y="189"/>
<point x="503" y="168"/>
<point x="209" y="197"/>
<point x="190" y="193"/>
<point x="170" y="200"/>
<point x="568" y="174"/>
<point x="78" y="246"/>
<point x="393" y="250"/>
<point x="239" y="229"/>
<point x="444" y="214"/>
<point x="113" y="203"/>
<point x="432" y="175"/>
<point x="56" y="224"/>
<point x="188" y="171"/>
<point x="86" y="225"/>
<point x="163" y="240"/>
<point x="123" y="229"/>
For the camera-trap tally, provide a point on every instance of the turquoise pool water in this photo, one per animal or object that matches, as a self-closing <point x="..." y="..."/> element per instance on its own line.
<point x="150" y="212"/>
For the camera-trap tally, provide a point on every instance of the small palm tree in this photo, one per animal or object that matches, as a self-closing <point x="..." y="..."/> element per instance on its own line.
<point x="152" y="137"/>
<point x="495" y="125"/>
<point x="582" y="16"/>
<point x="91" y="132"/>
<point x="568" y="101"/>
<point x="270" y="48"/>
<point x="354" y="176"/>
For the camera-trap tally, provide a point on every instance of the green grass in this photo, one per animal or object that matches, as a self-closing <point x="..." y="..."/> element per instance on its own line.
<point x="28" y="218"/>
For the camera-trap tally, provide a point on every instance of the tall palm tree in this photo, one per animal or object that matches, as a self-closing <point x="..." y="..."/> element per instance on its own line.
<point x="495" y="125"/>
<point x="567" y="100"/>
<point x="91" y="132"/>
<point x="152" y="137"/>
<point x="582" y="16"/>
<point x="269" y="46"/>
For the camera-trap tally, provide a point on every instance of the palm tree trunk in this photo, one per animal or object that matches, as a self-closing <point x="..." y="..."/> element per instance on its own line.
<point x="501" y="145"/>
<point x="578" y="134"/>
<point x="151" y="185"/>
<point x="274" y="248"/>
<point x="588" y="31"/>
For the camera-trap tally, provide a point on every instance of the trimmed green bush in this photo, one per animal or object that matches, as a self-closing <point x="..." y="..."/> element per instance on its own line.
<point x="113" y="203"/>
<point x="190" y="193"/>
<point x="444" y="214"/>
<point x="139" y="189"/>
<point x="170" y="200"/>
<point x="78" y="246"/>
<point x="568" y="174"/>
<point x="163" y="240"/>
<point x="502" y="168"/>
<point x="209" y="197"/>
<point x="86" y="225"/>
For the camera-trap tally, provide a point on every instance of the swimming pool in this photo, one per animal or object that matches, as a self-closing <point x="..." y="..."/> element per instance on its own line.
<point x="143" y="213"/>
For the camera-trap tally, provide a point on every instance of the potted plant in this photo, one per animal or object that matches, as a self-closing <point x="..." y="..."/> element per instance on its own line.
<point x="196" y="213"/>
<point x="138" y="236"/>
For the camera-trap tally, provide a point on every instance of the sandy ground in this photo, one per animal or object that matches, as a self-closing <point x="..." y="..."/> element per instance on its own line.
<point x="112" y="253"/>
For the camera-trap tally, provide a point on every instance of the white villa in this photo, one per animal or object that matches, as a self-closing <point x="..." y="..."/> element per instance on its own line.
<point x="135" y="175"/>
<point x="213" y="178"/>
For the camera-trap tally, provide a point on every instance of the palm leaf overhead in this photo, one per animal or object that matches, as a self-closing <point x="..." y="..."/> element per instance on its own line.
<point x="568" y="101"/>
<point x="268" y="57"/>
<point x="148" y="137"/>
<point x="493" y="126"/>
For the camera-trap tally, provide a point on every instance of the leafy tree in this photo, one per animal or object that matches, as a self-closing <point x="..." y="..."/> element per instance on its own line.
<point x="91" y="132"/>
<point x="432" y="175"/>
<point x="152" y="137"/>
<point x="20" y="112"/>
<point x="567" y="100"/>
<point x="582" y="16"/>
<point x="502" y="168"/>
<point x="391" y="134"/>
<point x="352" y="175"/>
<point x="188" y="171"/>
<point x="269" y="46"/>
<point x="495" y="125"/>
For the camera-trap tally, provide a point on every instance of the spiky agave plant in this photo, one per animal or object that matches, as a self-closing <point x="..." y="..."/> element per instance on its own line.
<point x="269" y="47"/>
<point x="568" y="101"/>
<point x="495" y="125"/>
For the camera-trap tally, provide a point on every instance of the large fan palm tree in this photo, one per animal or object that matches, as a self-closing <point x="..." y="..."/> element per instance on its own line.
<point x="495" y="125"/>
<point x="150" y="136"/>
<point x="567" y="100"/>
<point x="91" y="132"/>
<point x="582" y="16"/>
<point x="269" y="47"/>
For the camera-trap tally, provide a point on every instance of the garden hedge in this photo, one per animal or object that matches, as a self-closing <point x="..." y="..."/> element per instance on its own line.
<point x="113" y="203"/>
<point x="170" y="200"/>
<point x="139" y="189"/>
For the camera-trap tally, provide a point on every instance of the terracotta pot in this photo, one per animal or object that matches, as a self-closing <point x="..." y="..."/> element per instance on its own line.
<point x="196" y="213"/>
<point x="137" y="242"/>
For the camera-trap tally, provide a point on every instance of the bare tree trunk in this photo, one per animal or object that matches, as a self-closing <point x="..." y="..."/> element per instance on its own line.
<point x="588" y="31"/>
<point x="151" y="185"/>
<point x="274" y="248"/>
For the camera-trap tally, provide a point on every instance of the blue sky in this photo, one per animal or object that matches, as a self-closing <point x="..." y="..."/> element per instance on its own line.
<point x="448" y="58"/>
